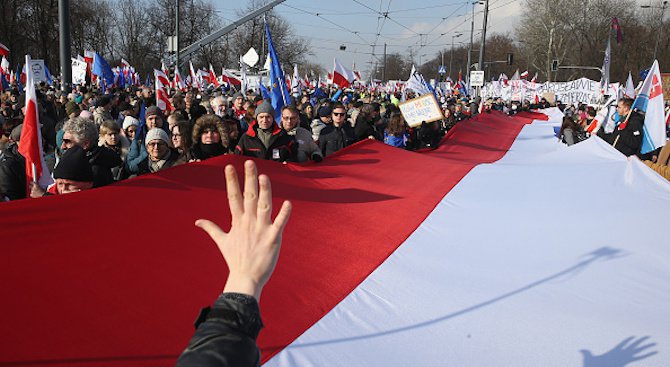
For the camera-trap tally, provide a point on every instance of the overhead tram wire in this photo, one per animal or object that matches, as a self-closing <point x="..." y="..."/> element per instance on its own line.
<point x="386" y="16"/>
<point x="357" y="34"/>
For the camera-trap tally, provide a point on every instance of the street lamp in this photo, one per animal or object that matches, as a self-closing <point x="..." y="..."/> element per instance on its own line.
<point x="451" y="52"/>
<point x="659" y="31"/>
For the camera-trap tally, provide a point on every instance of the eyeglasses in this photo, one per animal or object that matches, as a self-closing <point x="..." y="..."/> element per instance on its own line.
<point x="67" y="141"/>
<point x="155" y="143"/>
<point x="339" y="114"/>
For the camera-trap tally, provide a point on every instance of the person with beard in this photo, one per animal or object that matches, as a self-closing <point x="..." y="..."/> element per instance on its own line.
<point x="210" y="138"/>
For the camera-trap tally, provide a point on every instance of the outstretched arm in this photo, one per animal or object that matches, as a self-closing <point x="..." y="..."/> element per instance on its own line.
<point x="226" y="334"/>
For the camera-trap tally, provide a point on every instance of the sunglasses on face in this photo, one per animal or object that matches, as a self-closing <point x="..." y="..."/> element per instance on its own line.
<point x="339" y="114"/>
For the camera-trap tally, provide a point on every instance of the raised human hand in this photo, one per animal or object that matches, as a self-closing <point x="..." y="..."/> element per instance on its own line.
<point x="251" y="247"/>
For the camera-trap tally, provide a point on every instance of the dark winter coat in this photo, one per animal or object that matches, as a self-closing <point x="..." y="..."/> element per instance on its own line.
<point x="282" y="147"/>
<point x="12" y="174"/>
<point x="629" y="139"/>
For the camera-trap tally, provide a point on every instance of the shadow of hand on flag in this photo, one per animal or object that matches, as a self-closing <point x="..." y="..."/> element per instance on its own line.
<point x="628" y="351"/>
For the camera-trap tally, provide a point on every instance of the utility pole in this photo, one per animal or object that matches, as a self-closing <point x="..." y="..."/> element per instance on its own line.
<point x="472" y="33"/>
<point x="176" y="35"/>
<point x="480" y="67"/>
<point x="384" y="69"/>
<point x="451" y="52"/>
<point x="64" y="40"/>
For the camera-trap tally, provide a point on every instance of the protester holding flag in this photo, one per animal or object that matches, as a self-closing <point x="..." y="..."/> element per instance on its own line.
<point x="264" y="139"/>
<point x="73" y="174"/>
<point x="627" y="136"/>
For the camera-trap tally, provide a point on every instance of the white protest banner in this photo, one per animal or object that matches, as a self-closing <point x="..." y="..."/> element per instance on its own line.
<point x="38" y="70"/>
<point x="477" y="78"/>
<point x="421" y="109"/>
<point x="582" y="90"/>
<point x="78" y="72"/>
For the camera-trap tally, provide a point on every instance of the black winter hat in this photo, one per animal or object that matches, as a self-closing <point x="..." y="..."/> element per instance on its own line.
<point x="74" y="166"/>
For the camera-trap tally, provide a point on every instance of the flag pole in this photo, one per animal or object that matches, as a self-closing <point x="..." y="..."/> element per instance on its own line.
<point x="34" y="172"/>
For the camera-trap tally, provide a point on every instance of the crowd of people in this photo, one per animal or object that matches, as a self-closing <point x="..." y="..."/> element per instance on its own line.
<point x="122" y="133"/>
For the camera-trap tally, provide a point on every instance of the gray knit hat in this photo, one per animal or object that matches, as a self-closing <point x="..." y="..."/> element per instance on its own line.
<point x="238" y="94"/>
<point x="156" y="134"/>
<point x="265" y="107"/>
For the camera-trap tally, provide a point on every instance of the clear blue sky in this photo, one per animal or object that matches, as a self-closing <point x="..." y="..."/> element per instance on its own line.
<point x="418" y="28"/>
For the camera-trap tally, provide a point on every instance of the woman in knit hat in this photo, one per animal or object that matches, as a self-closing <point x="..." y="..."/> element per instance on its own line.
<point x="210" y="138"/>
<point x="130" y="125"/>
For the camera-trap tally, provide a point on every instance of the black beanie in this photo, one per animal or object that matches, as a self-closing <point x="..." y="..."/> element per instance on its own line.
<point x="74" y="166"/>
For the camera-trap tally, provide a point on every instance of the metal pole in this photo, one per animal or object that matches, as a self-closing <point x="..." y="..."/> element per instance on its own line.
<point x="482" y="46"/>
<point x="451" y="55"/>
<point x="64" y="38"/>
<point x="472" y="32"/>
<point x="384" y="69"/>
<point x="176" y="35"/>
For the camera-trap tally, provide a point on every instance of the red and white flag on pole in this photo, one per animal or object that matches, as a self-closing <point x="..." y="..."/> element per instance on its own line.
<point x="195" y="81"/>
<point x="342" y="76"/>
<point x="160" y="75"/>
<point x="231" y="79"/>
<point x="524" y="75"/>
<point x="30" y="145"/>
<point x="212" y="77"/>
<point x="162" y="99"/>
<point x="4" y="50"/>
<point x="178" y="80"/>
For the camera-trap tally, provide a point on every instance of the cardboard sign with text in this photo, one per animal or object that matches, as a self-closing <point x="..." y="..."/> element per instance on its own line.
<point x="421" y="109"/>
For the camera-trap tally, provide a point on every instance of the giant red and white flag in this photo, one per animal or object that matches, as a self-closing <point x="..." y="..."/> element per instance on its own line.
<point x="30" y="145"/>
<point x="481" y="252"/>
<point x="342" y="76"/>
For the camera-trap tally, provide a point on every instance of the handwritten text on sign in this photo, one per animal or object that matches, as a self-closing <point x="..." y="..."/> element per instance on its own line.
<point x="421" y="109"/>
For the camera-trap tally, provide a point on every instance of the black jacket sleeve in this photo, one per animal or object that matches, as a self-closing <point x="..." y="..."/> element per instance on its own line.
<point x="226" y="334"/>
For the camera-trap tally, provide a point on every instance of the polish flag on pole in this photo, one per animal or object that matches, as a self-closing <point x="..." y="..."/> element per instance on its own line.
<point x="342" y="76"/>
<point x="178" y="80"/>
<point x="195" y="82"/>
<point x="212" y="77"/>
<point x="162" y="99"/>
<point x="231" y="79"/>
<point x="602" y="116"/>
<point x="4" y="50"/>
<point x="524" y="75"/>
<point x="30" y="145"/>
<point x="160" y="75"/>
